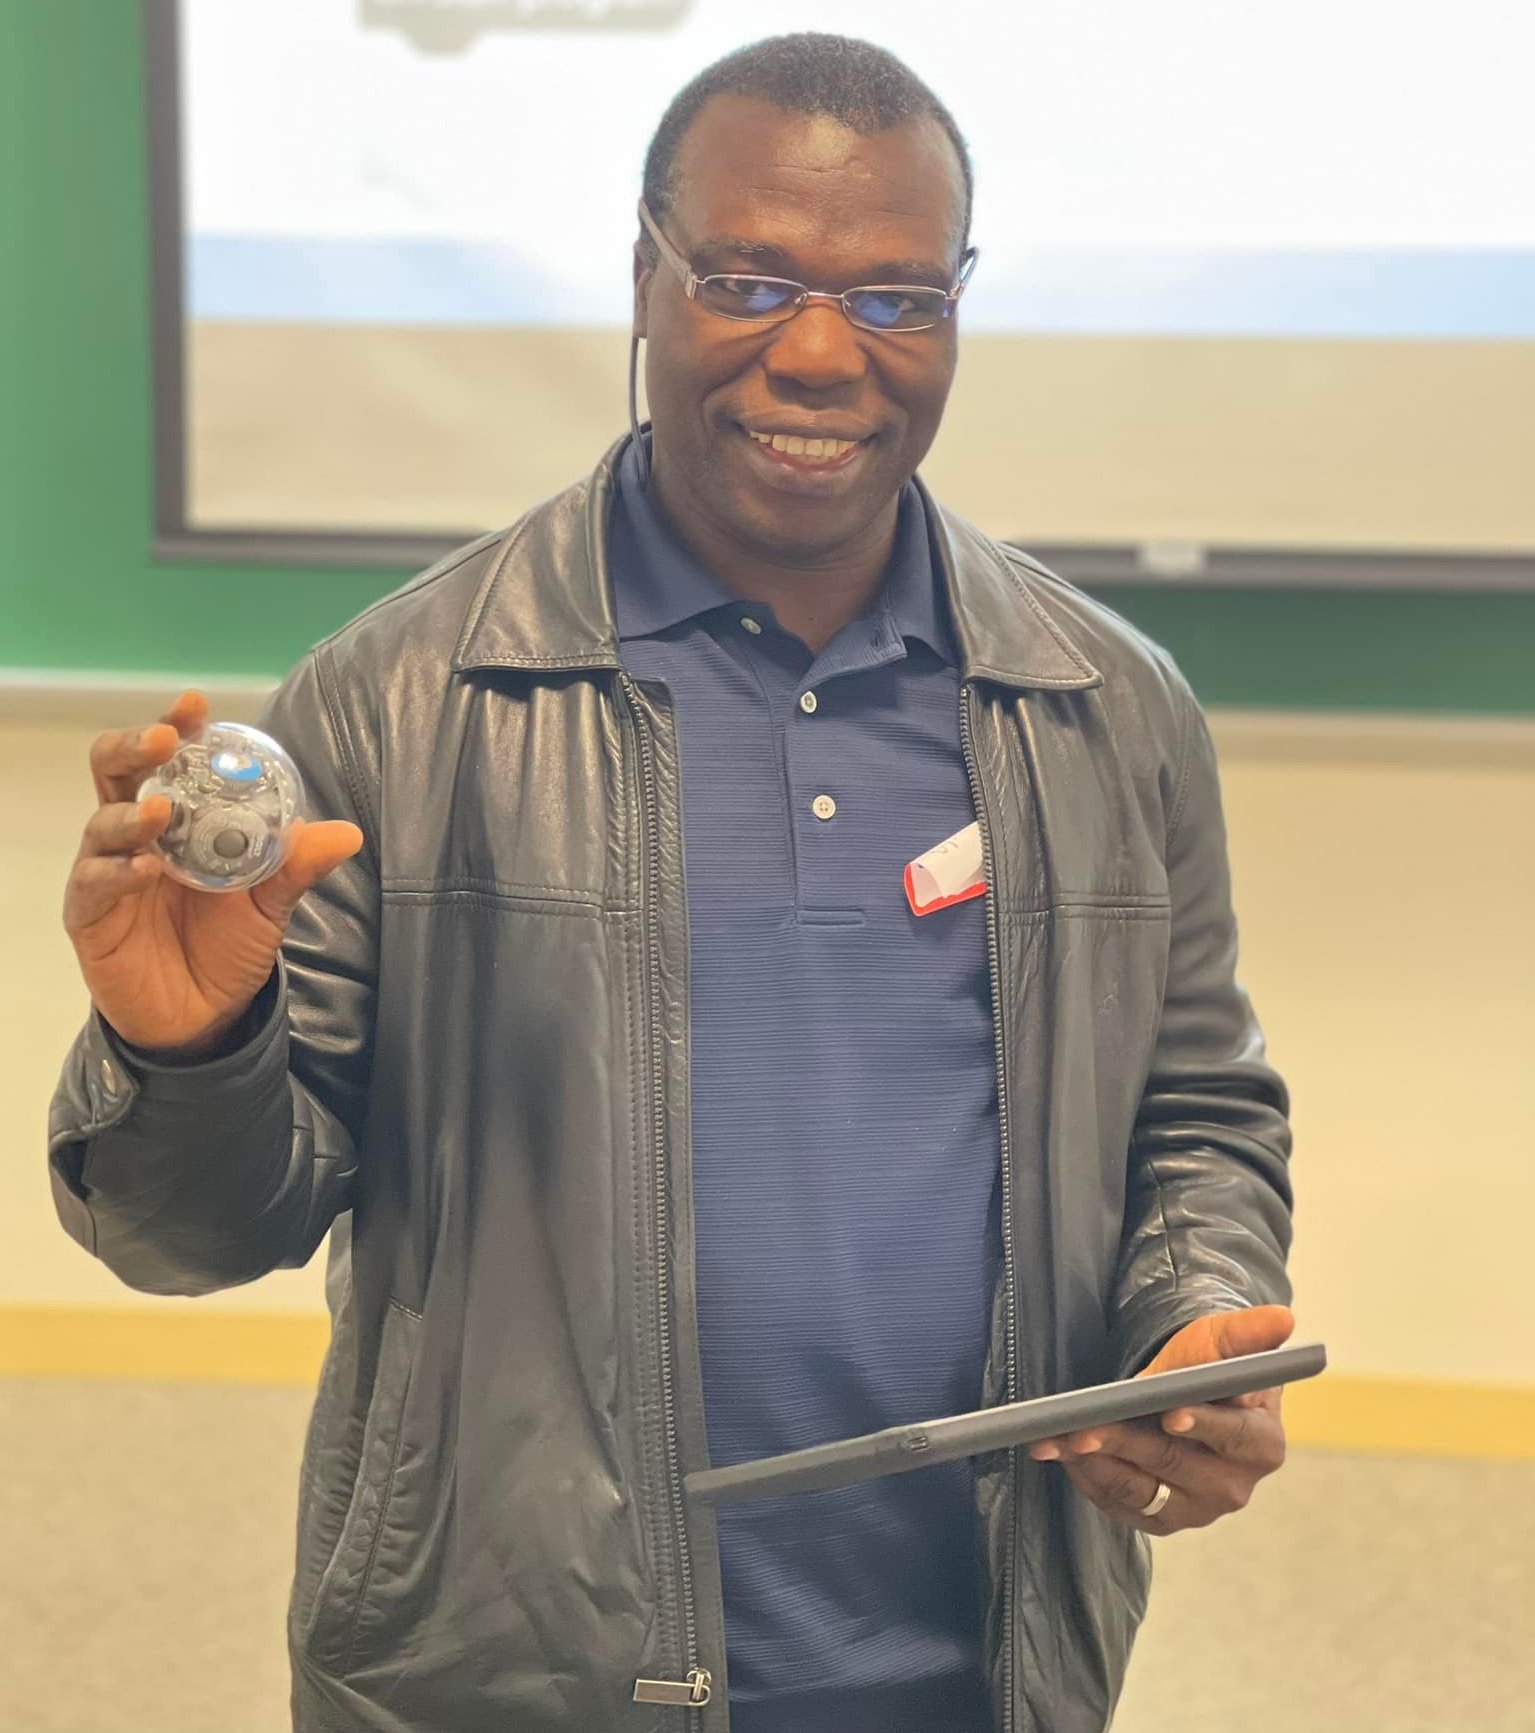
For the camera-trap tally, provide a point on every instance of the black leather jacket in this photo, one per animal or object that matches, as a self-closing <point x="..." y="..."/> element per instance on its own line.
<point x="477" y="1044"/>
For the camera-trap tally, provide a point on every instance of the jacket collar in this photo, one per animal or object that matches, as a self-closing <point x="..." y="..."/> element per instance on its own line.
<point x="546" y="601"/>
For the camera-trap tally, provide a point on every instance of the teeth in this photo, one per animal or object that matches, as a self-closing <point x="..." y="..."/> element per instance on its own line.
<point x="792" y="445"/>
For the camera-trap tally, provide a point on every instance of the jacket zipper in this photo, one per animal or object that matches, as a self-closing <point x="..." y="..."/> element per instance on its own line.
<point x="693" y="1691"/>
<point x="994" y="964"/>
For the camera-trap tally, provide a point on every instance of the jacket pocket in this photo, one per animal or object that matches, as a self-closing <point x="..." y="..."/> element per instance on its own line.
<point x="343" y="1588"/>
<point x="332" y="1454"/>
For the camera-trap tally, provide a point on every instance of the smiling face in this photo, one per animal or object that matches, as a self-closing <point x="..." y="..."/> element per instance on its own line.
<point x="801" y="196"/>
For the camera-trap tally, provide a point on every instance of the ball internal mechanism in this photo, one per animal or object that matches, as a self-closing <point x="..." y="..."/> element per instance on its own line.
<point x="234" y="795"/>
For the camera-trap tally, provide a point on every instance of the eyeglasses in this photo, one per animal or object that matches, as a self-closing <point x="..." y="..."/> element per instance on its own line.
<point x="771" y="300"/>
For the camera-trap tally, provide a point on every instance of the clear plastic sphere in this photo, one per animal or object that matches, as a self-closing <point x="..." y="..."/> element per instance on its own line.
<point x="234" y="795"/>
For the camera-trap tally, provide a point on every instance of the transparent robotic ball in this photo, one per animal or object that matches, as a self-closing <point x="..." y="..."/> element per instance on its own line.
<point x="234" y="796"/>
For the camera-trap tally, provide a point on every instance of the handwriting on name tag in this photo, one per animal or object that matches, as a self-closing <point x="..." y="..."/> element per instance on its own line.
<point x="951" y="872"/>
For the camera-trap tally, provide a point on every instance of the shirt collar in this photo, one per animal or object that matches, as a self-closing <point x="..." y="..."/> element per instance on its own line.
<point x="658" y="584"/>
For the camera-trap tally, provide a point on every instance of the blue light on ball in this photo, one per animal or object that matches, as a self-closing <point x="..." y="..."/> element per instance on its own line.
<point x="233" y="767"/>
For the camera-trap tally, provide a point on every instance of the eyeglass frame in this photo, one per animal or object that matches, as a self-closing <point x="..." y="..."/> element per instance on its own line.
<point x="692" y="283"/>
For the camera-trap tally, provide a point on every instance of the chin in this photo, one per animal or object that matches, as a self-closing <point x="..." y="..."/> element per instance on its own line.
<point x="801" y="534"/>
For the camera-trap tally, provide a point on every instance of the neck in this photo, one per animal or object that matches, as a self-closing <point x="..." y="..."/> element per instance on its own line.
<point x="813" y="596"/>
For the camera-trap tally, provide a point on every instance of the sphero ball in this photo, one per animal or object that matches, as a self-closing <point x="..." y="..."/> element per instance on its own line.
<point x="234" y="796"/>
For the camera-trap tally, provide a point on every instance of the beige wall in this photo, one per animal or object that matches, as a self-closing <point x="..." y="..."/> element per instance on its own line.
<point x="1382" y="872"/>
<point x="1382" y="881"/>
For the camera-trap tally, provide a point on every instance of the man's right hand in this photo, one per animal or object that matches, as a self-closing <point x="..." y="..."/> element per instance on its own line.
<point x="174" y="969"/>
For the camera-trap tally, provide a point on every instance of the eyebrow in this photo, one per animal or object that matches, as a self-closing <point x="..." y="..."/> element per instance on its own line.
<point x="915" y="271"/>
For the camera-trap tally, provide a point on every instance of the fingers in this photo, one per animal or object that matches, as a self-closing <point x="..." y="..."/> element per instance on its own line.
<point x="113" y="862"/>
<point x="189" y="714"/>
<point x="1211" y="1455"/>
<point x="124" y="826"/>
<point x="121" y="759"/>
<point x="1141" y="1442"/>
<point x="1248" y="1399"/>
<point x="1123" y="1491"/>
<point x="1120" y="1468"/>
<point x="1204" y="1487"/>
<point x="313" y="851"/>
<point x="98" y="884"/>
<point x="1252" y="1436"/>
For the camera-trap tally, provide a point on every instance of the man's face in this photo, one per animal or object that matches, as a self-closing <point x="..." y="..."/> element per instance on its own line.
<point x="799" y="196"/>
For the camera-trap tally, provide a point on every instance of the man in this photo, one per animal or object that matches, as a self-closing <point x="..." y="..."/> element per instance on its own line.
<point x="668" y="1132"/>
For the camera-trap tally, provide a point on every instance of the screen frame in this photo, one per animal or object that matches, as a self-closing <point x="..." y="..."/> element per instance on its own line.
<point x="1161" y="565"/>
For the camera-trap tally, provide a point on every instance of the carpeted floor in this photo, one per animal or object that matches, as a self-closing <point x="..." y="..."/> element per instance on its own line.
<point x="148" y="1531"/>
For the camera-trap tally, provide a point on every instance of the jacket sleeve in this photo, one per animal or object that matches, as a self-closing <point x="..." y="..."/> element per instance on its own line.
<point x="1208" y="1199"/>
<point x="184" y="1179"/>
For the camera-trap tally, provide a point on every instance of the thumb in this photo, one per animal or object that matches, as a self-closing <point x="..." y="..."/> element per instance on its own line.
<point x="1253" y="1331"/>
<point x="313" y="851"/>
<point x="1224" y="1335"/>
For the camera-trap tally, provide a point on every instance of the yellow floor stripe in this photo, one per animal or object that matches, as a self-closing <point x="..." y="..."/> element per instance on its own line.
<point x="1408" y="1418"/>
<point x="183" y="1343"/>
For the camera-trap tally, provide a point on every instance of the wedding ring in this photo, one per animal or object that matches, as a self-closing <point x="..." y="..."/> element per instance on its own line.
<point x="1159" y="1501"/>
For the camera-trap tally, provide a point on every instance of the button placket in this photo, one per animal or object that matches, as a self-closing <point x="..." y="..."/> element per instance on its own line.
<point x="815" y="738"/>
<point x="812" y="746"/>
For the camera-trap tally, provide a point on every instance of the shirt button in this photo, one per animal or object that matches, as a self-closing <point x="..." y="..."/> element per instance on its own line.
<point x="823" y="806"/>
<point x="748" y="624"/>
<point x="809" y="703"/>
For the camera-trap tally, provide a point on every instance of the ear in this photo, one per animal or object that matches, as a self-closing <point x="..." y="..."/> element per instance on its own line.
<point x="644" y="276"/>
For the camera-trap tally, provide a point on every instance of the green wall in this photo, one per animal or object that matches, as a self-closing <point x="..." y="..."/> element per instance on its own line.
<point x="79" y="590"/>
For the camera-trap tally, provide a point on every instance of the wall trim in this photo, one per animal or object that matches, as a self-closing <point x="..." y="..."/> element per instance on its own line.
<point x="1315" y="738"/>
<point x="104" y="698"/>
<point x="1338" y="1411"/>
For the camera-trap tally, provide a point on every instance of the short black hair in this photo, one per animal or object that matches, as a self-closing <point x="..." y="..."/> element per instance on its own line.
<point x="809" y="72"/>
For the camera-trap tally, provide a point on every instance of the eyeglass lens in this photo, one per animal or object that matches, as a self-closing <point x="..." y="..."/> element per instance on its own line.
<point x="763" y="298"/>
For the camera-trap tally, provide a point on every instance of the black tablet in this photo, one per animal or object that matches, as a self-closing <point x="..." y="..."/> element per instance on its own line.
<point x="900" y="1448"/>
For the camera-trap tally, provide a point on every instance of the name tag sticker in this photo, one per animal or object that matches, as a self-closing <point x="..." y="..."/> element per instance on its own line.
<point x="953" y="872"/>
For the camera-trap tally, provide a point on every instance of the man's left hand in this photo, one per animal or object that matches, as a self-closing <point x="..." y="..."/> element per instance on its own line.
<point x="1211" y="1456"/>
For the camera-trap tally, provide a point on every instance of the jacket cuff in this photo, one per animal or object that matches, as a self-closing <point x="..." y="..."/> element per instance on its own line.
<point x="165" y="1077"/>
<point x="106" y="1079"/>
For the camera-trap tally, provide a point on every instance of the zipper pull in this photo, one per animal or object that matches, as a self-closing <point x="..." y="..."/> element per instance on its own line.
<point x="693" y="1692"/>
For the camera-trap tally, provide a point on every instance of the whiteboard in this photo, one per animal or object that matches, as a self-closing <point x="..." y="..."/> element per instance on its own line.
<point x="1253" y="277"/>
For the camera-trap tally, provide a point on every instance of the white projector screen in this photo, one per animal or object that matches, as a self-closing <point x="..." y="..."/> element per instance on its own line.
<point x="1252" y="277"/>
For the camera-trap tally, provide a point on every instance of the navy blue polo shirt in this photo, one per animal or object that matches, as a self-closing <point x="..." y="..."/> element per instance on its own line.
<point x="846" y="1143"/>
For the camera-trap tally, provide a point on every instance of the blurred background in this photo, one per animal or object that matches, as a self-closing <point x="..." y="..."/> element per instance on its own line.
<point x="295" y="293"/>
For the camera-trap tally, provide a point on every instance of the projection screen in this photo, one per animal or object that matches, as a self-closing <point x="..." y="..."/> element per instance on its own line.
<point x="1256" y="292"/>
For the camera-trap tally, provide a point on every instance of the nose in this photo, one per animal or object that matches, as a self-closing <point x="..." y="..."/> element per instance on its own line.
<point x="817" y="348"/>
